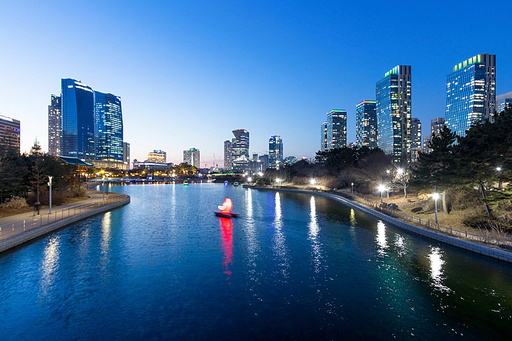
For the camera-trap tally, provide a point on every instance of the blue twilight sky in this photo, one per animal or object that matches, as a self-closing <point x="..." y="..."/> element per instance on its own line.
<point x="189" y="72"/>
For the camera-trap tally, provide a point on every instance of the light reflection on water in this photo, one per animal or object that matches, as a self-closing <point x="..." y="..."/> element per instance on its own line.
<point x="292" y="266"/>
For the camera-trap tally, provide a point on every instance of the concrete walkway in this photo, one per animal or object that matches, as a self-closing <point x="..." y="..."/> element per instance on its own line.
<point x="21" y="228"/>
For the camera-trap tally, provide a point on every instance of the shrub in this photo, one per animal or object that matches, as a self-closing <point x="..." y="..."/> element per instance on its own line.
<point x="262" y="182"/>
<point x="484" y="223"/>
<point x="15" y="202"/>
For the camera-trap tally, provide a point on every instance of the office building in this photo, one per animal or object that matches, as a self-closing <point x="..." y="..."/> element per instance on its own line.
<point x="366" y="124"/>
<point x="157" y="156"/>
<point x="393" y="111"/>
<point x="471" y="93"/>
<point x="192" y="156"/>
<point x="9" y="133"/>
<point x="275" y="151"/>
<point x="108" y="131"/>
<point x="323" y="137"/>
<point x="426" y="141"/>
<point x="240" y="150"/>
<point x="264" y="162"/>
<point x="228" y="162"/>
<point x="336" y="129"/>
<point x="126" y="155"/>
<point x="436" y="125"/>
<point x="503" y="101"/>
<point x="54" y="126"/>
<point x="77" y="106"/>
<point x="415" y="138"/>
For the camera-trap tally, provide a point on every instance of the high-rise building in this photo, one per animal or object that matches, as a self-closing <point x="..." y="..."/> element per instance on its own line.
<point x="9" y="133"/>
<point x="275" y="151"/>
<point x="240" y="150"/>
<point x="426" y="141"/>
<point x="393" y="109"/>
<point x="77" y="105"/>
<point x="126" y="155"/>
<point x="323" y="137"/>
<point x="366" y="124"/>
<point x="264" y="162"/>
<point x="503" y="101"/>
<point x="471" y="93"/>
<point x="192" y="156"/>
<point x="336" y="129"/>
<point x="415" y="138"/>
<point x="228" y="162"/>
<point x="436" y="125"/>
<point x="157" y="156"/>
<point x="108" y="128"/>
<point x="54" y="126"/>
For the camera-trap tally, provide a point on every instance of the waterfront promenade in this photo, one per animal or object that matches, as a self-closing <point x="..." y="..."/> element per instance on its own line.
<point x="21" y="228"/>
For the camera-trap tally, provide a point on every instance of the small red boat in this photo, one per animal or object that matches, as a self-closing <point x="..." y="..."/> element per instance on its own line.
<point x="225" y="210"/>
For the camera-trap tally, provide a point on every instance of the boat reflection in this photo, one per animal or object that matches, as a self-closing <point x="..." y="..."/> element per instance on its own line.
<point x="226" y="229"/>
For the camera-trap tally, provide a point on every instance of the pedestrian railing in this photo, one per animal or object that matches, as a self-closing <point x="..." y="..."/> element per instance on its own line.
<point x="493" y="237"/>
<point x="20" y="226"/>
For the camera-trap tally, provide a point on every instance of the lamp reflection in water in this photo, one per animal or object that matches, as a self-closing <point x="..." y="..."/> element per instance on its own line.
<point x="381" y="237"/>
<point x="50" y="264"/>
<point x="105" y="233"/>
<point x="436" y="269"/>
<point x="314" y="228"/>
<point x="226" y="229"/>
<point x="279" y="240"/>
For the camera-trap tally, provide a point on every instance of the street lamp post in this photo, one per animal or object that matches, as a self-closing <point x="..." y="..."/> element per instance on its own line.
<point x="50" y="185"/>
<point x="352" y="184"/>
<point x="103" y="187"/>
<point x="381" y="189"/>
<point x="435" y="196"/>
<point x="499" y="176"/>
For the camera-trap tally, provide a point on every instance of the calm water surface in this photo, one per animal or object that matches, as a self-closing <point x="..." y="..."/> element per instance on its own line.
<point x="293" y="266"/>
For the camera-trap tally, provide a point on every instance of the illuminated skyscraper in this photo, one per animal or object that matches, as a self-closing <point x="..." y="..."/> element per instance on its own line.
<point x="471" y="93"/>
<point x="240" y="150"/>
<point x="54" y="126"/>
<point x="275" y="151"/>
<point x="9" y="133"/>
<point x="108" y="128"/>
<point x="192" y="156"/>
<point x="393" y="109"/>
<point x="77" y="120"/>
<point x="366" y="124"/>
<point x="336" y="129"/>
<point x="157" y="156"/>
<point x="503" y="101"/>
<point x="436" y="125"/>
<point x="415" y="138"/>
<point x="126" y="155"/>
<point x="323" y="137"/>
<point x="228" y="162"/>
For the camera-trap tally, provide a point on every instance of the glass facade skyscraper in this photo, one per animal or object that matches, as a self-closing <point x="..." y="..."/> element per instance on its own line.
<point x="54" y="126"/>
<point x="503" y="101"/>
<point x="393" y="111"/>
<point x="192" y="156"/>
<point x="275" y="151"/>
<point x="323" y="137"/>
<point x="77" y="120"/>
<point x="108" y="127"/>
<point x="336" y="129"/>
<point x="415" y="138"/>
<point x="240" y="150"/>
<point x="471" y="93"/>
<point x="9" y="133"/>
<point x="366" y="124"/>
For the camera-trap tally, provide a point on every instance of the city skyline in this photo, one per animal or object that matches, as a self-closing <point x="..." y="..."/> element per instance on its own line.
<point x="195" y="72"/>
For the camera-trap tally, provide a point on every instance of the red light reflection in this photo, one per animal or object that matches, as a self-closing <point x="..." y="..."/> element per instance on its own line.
<point x="226" y="228"/>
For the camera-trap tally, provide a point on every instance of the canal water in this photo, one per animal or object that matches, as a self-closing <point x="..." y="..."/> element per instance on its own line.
<point x="292" y="266"/>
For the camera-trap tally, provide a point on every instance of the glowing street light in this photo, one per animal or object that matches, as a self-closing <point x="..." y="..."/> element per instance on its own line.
<point x="498" y="169"/>
<point x="249" y="179"/>
<point x="435" y="196"/>
<point x="278" y="180"/>
<point x="50" y="185"/>
<point x="352" y="184"/>
<point x="381" y="188"/>
<point x="312" y="181"/>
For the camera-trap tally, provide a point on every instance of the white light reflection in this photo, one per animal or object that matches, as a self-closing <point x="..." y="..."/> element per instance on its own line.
<point x="353" y="221"/>
<point x="436" y="269"/>
<point x="381" y="237"/>
<point x="105" y="233"/>
<point x="252" y="243"/>
<point x="314" y="228"/>
<point x="400" y="245"/>
<point x="279" y="240"/>
<point x="50" y="264"/>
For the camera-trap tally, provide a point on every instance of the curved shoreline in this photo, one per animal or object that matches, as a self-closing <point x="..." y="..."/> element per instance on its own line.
<point x="463" y="244"/>
<point x="34" y="233"/>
